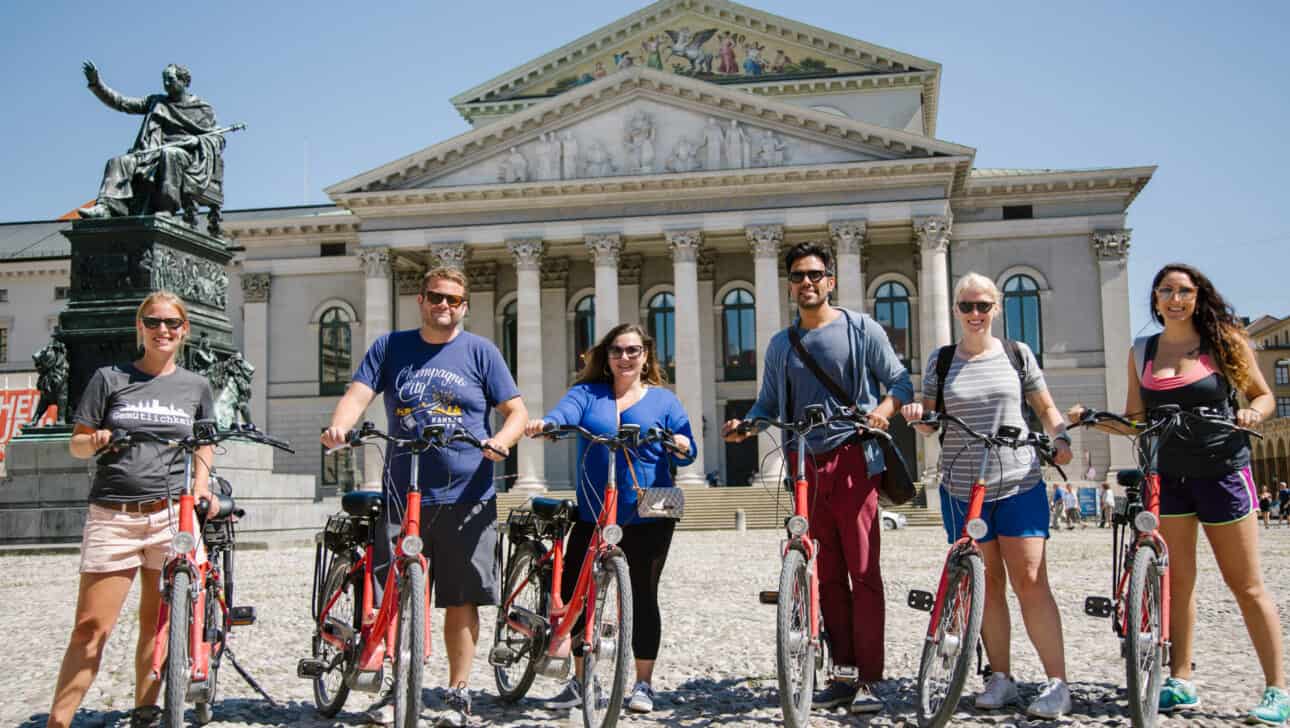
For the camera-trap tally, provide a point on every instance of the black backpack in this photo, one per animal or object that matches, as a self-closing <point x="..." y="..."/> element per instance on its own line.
<point x="945" y="358"/>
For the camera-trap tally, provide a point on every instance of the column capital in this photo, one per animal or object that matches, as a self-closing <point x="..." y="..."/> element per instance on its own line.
<point x="527" y="253"/>
<point x="684" y="244"/>
<point x="1111" y="245"/>
<point x="255" y="287"/>
<point x="408" y="280"/>
<point x="707" y="265"/>
<point x="482" y="275"/>
<point x="765" y="240"/>
<point x="605" y="248"/>
<point x="555" y="272"/>
<point x="449" y="255"/>
<point x="933" y="232"/>
<point x="375" y="262"/>
<point x="629" y="269"/>
<point x="848" y="235"/>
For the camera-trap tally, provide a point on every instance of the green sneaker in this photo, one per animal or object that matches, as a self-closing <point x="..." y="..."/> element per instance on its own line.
<point x="1274" y="709"/>
<point x="1178" y="694"/>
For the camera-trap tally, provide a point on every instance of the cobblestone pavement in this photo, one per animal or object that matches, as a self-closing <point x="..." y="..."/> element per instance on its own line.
<point x="716" y="666"/>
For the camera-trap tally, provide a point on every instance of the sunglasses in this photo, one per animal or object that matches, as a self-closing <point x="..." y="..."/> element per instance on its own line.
<point x="435" y="299"/>
<point x="152" y="322"/>
<point x="978" y="306"/>
<point x="1165" y="293"/>
<point x="816" y="276"/>
<point x="630" y="352"/>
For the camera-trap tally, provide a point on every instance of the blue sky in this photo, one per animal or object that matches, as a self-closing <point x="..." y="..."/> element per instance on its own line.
<point x="332" y="89"/>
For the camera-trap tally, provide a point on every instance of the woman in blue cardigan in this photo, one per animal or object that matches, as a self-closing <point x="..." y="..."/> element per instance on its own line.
<point x="622" y="384"/>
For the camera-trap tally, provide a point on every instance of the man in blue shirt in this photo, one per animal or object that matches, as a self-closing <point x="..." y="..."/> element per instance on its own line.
<point x="853" y="350"/>
<point x="438" y="374"/>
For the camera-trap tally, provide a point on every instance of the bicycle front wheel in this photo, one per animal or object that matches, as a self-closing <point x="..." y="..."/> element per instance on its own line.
<point x="178" y="669"/>
<point x="204" y="709"/>
<point x="606" y="660"/>
<point x="1143" y="642"/>
<point x="513" y="658"/>
<point x="947" y="654"/>
<point x="794" y="649"/>
<point x="410" y="646"/>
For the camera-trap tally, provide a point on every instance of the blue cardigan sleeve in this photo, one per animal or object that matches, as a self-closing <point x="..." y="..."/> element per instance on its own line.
<point x="571" y="407"/>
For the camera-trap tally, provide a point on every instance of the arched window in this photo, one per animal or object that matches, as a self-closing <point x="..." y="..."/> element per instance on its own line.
<point x="510" y="335"/>
<point x="891" y="309"/>
<point x="662" y="326"/>
<point x="334" y="348"/>
<point x="584" y="330"/>
<point x="1021" y="319"/>
<point x="739" y="344"/>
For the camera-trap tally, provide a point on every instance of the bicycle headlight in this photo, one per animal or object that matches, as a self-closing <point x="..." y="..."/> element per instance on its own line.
<point x="797" y="525"/>
<point x="184" y="542"/>
<point x="1146" y="521"/>
<point x="411" y="546"/>
<point x="977" y="529"/>
<point x="612" y="534"/>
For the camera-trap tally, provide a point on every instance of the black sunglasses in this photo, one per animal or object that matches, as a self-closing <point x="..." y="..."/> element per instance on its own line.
<point x="816" y="276"/>
<point x="978" y="306"/>
<point x="152" y="322"/>
<point x="437" y="298"/>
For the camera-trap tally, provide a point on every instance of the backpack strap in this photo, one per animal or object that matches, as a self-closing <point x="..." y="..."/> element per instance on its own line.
<point x="944" y="359"/>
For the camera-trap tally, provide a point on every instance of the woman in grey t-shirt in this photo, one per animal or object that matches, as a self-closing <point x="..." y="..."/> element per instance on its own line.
<point x="983" y="388"/>
<point x="131" y="513"/>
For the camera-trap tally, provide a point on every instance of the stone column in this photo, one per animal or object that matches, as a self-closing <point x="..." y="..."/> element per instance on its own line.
<point x="629" y="288"/>
<point x="555" y="376"/>
<point x="407" y="282"/>
<point x="1111" y="249"/>
<point x="528" y="259"/>
<point x="685" y="246"/>
<point x="933" y="234"/>
<point x="483" y="299"/>
<point x="377" y="320"/>
<point x="848" y="239"/>
<point x="709" y="432"/>
<point x="255" y="340"/>
<point x="765" y="241"/>
<point x="605" y="250"/>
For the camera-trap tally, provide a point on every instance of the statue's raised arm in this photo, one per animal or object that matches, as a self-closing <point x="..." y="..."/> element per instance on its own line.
<point x="110" y="98"/>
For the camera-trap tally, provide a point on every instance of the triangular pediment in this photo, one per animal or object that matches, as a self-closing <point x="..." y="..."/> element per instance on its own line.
<point x="645" y="122"/>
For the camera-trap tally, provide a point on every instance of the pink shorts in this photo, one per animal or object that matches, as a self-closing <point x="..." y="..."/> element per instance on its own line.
<point x="117" y="541"/>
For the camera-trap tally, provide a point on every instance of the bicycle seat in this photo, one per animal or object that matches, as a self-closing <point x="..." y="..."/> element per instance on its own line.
<point x="363" y="503"/>
<point x="550" y="509"/>
<point x="1129" y="478"/>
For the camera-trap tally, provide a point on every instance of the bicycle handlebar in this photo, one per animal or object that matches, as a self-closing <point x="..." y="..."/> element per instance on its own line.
<point x="814" y="419"/>
<point x="430" y="436"/>
<point x="1007" y="436"/>
<point x="627" y="436"/>
<point x="1165" y="415"/>
<point x="209" y="436"/>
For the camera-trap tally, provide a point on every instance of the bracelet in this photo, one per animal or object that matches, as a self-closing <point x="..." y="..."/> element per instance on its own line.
<point x="1064" y="437"/>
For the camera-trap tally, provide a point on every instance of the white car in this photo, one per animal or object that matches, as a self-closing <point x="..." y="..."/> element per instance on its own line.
<point x="892" y="520"/>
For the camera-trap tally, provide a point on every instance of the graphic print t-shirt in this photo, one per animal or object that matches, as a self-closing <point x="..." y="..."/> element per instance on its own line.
<point x="123" y="398"/>
<point x="454" y="384"/>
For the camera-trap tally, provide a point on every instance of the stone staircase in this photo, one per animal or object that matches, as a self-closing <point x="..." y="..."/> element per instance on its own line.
<point x="709" y="509"/>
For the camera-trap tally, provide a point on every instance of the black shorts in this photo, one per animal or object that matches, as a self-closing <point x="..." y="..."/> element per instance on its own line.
<point x="461" y="547"/>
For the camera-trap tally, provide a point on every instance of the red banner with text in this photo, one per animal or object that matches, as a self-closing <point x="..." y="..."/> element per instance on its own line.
<point x="16" y="408"/>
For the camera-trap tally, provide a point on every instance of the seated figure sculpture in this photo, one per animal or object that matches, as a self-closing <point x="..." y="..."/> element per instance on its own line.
<point x="174" y="164"/>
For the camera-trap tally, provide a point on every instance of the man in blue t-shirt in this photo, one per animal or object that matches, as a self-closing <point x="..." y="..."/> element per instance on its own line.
<point x="439" y="374"/>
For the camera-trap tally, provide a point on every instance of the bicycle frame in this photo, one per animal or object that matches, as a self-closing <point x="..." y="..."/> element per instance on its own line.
<point x="199" y="649"/>
<point x="1150" y="496"/>
<point x="965" y="543"/>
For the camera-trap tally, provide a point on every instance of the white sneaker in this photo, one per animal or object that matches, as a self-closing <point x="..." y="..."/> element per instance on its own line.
<point x="642" y="699"/>
<point x="998" y="692"/>
<point x="1053" y="702"/>
<point x="382" y="711"/>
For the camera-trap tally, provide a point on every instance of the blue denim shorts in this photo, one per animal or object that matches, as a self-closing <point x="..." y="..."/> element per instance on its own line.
<point x="1024" y="515"/>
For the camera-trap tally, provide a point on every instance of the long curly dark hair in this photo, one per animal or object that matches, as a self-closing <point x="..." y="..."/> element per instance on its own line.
<point x="1221" y="332"/>
<point x="596" y="370"/>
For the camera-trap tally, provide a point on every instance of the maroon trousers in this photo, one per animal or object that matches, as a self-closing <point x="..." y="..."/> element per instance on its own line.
<point x="844" y="519"/>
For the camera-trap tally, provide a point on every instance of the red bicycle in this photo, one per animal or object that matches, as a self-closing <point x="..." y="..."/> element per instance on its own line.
<point x="535" y="626"/>
<point x="1140" y="557"/>
<point x="954" y="630"/>
<point x="353" y="636"/>
<point x="801" y="643"/>
<point x="197" y="612"/>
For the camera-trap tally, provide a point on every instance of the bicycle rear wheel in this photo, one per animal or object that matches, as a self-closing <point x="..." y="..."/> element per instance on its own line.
<point x="794" y="650"/>
<point x="510" y="646"/>
<point x="947" y="654"/>
<point x="606" y="660"/>
<point x="1143" y="642"/>
<point x="410" y="646"/>
<point x="178" y="669"/>
<point x="345" y="618"/>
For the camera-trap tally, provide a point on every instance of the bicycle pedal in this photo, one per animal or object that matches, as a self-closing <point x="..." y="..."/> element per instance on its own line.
<point x="501" y="656"/>
<point x="921" y="600"/>
<point x="241" y="616"/>
<point x="849" y="673"/>
<point x="310" y="669"/>
<point x="768" y="597"/>
<point x="1098" y="607"/>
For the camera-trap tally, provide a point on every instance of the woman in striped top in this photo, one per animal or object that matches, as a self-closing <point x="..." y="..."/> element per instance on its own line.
<point x="985" y="390"/>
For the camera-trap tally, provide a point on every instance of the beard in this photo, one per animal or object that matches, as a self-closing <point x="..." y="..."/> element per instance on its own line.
<point x="813" y="305"/>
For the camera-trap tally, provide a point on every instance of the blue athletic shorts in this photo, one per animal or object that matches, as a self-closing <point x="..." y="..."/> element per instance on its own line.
<point x="1024" y="515"/>
<point x="1214" y="501"/>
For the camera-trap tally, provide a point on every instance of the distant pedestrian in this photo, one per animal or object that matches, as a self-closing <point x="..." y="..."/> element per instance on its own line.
<point x="1265" y="506"/>
<point x="1283" y="501"/>
<point x="1071" y="504"/>
<point x="1108" y="506"/>
<point x="1057" y="507"/>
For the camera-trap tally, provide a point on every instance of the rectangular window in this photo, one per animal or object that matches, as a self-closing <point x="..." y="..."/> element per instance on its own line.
<point x="4" y="344"/>
<point x="1018" y="212"/>
<point x="1282" y="374"/>
<point x="60" y="293"/>
<point x="1283" y="406"/>
<point x="4" y="295"/>
<point x="338" y="470"/>
<point x="329" y="250"/>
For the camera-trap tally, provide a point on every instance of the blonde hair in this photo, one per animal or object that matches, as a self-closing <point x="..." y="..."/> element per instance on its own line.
<point x="447" y="273"/>
<point x="164" y="297"/>
<point x="976" y="282"/>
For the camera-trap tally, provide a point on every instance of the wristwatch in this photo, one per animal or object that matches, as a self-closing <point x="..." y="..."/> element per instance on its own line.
<point x="1064" y="437"/>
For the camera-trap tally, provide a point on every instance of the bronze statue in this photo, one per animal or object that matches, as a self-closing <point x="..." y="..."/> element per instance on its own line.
<point x="231" y="382"/>
<point x="52" y="367"/>
<point x="175" y="163"/>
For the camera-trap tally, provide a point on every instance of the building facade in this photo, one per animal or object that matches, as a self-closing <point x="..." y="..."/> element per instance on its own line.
<point x="654" y="171"/>
<point x="1271" y="455"/>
